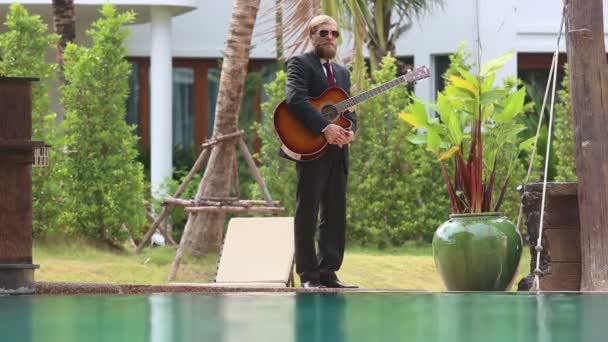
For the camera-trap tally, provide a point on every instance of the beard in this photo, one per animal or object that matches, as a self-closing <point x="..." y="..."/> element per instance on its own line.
<point x="325" y="51"/>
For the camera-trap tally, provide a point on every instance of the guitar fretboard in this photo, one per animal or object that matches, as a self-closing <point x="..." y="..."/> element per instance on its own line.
<point x="355" y="100"/>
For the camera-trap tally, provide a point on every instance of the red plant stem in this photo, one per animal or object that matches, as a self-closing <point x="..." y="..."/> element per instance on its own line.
<point x="479" y="161"/>
<point x="487" y="196"/>
<point x="453" y="198"/>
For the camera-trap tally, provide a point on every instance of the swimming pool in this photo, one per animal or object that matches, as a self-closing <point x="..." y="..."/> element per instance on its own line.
<point x="348" y="317"/>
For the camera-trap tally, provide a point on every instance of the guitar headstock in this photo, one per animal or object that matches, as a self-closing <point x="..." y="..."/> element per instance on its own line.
<point x="417" y="74"/>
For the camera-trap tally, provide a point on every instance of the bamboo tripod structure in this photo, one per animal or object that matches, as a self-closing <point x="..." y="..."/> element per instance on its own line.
<point x="212" y="204"/>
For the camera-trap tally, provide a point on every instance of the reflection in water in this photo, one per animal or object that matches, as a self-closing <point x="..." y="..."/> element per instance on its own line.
<point x="592" y="319"/>
<point x="161" y="324"/>
<point x="256" y="317"/>
<point x="320" y="317"/>
<point x="16" y="318"/>
<point x="288" y="317"/>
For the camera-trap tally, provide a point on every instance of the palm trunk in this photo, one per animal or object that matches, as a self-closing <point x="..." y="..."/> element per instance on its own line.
<point x="278" y="28"/>
<point x="208" y="228"/>
<point x="65" y="27"/>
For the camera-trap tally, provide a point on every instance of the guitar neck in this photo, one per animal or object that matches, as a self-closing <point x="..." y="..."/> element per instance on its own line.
<point x="355" y="100"/>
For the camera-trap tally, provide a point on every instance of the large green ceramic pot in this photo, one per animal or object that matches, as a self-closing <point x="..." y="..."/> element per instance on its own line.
<point x="477" y="252"/>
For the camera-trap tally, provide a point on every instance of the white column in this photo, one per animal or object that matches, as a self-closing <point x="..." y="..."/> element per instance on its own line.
<point x="425" y="89"/>
<point x="161" y="105"/>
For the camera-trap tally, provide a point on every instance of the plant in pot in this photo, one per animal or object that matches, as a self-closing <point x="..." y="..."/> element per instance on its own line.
<point x="475" y="136"/>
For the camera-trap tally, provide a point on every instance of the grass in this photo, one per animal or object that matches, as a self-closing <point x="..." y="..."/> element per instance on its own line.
<point x="410" y="267"/>
<point x="84" y="263"/>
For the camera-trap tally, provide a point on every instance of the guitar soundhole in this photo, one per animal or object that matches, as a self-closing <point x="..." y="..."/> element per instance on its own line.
<point x="329" y="112"/>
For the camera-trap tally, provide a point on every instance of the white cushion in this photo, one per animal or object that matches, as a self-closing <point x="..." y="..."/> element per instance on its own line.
<point x="257" y="250"/>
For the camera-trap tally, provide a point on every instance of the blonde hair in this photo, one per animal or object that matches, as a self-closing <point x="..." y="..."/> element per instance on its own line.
<point x="319" y="20"/>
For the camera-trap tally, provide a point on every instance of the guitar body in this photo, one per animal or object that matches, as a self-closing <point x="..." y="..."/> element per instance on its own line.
<point x="300" y="143"/>
<point x="297" y="140"/>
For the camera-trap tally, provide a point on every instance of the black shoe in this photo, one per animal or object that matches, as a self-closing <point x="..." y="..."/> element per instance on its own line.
<point x="336" y="284"/>
<point x="313" y="284"/>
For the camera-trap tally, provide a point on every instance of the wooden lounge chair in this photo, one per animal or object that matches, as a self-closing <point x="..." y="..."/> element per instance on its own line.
<point x="257" y="252"/>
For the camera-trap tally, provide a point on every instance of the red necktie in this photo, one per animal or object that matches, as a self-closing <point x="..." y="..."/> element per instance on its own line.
<point x="330" y="76"/>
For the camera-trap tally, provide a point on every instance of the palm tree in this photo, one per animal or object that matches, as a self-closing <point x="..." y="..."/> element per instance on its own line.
<point x="64" y="22"/>
<point x="208" y="228"/>
<point x="387" y="20"/>
<point x="375" y="23"/>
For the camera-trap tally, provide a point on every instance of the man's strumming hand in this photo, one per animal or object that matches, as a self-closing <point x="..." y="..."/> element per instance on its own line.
<point x="337" y="135"/>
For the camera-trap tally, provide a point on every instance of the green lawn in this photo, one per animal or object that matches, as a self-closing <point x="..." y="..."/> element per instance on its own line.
<point x="410" y="267"/>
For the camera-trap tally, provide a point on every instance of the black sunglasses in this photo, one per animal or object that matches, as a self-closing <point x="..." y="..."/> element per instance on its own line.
<point x="324" y="33"/>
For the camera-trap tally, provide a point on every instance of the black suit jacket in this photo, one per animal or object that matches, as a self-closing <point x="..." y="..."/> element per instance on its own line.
<point x="306" y="78"/>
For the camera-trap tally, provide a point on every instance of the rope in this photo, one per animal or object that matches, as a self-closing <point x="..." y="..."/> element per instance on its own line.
<point x="551" y="82"/>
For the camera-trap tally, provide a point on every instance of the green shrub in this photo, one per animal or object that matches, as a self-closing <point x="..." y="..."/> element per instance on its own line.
<point x="103" y="182"/>
<point x="278" y="173"/>
<point x="395" y="189"/>
<point x="24" y="47"/>
<point x="563" y="136"/>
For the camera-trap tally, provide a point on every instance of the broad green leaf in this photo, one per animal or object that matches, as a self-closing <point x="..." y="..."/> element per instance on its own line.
<point x="527" y="144"/>
<point x="417" y="139"/>
<point x="411" y="119"/>
<point x="433" y="139"/>
<point x="514" y="131"/>
<point x="488" y="83"/>
<point x="471" y="108"/>
<point x="492" y="96"/>
<point x="468" y="76"/>
<point x="444" y="145"/>
<point x="464" y="84"/>
<point x="487" y="112"/>
<point x="444" y="107"/>
<point x="492" y="66"/>
<point x="449" y="153"/>
<point x="415" y="115"/>
<point x="455" y="129"/>
<point x="514" y="106"/>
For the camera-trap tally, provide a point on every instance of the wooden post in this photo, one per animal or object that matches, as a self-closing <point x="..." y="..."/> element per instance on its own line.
<point x="16" y="157"/>
<point x="589" y="92"/>
<point x="560" y="258"/>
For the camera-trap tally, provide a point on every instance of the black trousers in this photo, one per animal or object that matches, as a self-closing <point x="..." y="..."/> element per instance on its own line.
<point x="321" y="193"/>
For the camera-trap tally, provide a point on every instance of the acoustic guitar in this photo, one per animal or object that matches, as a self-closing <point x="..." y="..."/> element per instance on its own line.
<point x="300" y="143"/>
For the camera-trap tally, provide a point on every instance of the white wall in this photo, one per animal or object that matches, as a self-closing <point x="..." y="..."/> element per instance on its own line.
<point x="202" y="32"/>
<point x="438" y="33"/>
<point x="519" y="25"/>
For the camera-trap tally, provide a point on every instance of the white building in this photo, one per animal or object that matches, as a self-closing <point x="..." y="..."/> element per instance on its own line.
<point x="157" y="14"/>
<point x="175" y="107"/>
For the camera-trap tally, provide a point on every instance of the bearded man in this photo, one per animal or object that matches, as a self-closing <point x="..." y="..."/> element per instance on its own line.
<point x="321" y="189"/>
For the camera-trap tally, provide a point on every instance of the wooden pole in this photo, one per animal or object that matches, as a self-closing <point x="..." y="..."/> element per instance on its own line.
<point x="16" y="157"/>
<point x="589" y="92"/>
<point x="254" y="170"/>
<point x="195" y="168"/>
<point x="165" y="211"/>
<point x="235" y="209"/>
<point x="218" y="202"/>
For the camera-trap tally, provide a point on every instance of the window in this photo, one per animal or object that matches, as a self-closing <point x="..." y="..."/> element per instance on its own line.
<point x="195" y="89"/>
<point x="253" y="94"/>
<point x="132" y="115"/>
<point x="533" y="69"/>
<point x="213" y="86"/>
<point x="183" y="108"/>
<point x="441" y="65"/>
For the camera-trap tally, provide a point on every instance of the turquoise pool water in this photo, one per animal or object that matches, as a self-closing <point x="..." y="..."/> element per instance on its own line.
<point x="286" y="317"/>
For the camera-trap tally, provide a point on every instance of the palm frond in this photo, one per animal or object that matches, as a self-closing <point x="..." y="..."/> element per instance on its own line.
<point x="296" y="14"/>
